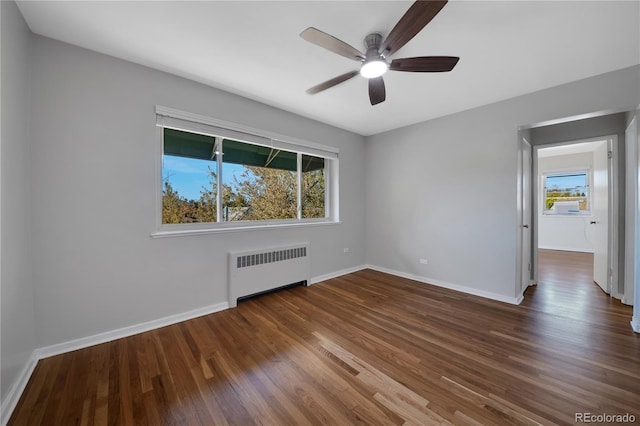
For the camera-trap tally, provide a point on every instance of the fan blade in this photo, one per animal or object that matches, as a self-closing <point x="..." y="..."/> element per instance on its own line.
<point x="425" y="64"/>
<point x="377" y="92"/>
<point x="333" y="82"/>
<point x="329" y="42"/>
<point x="414" y="20"/>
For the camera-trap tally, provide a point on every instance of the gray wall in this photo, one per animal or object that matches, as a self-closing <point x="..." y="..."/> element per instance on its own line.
<point x="94" y="168"/>
<point x="78" y="155"/>
<point x="445" y="190"/>
<point x="604" y="125"/>
<point x="16" y="289"/>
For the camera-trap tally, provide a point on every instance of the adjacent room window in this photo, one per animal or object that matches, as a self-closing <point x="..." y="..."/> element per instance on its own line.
<point x="566" y="193"/>
<point x="225" y="178"/>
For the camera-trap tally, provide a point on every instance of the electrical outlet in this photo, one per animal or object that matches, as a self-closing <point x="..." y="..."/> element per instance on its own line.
<point x="346" y="249"/>
<point x="424" y="261"/>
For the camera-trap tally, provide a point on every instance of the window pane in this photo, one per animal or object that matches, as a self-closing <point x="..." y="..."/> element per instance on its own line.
<point x="570" y="189"/>
<point x="188" y="178"/>
<point x="247" y="154"/>
<point x="259" y="183"/>
<point x="313" y="187"/>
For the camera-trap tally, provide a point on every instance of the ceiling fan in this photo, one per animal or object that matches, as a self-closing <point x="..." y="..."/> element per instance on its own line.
<point x="375" y="60"/>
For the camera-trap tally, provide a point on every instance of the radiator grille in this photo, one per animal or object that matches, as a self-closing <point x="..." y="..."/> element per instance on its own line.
<point x="270" y="257"/>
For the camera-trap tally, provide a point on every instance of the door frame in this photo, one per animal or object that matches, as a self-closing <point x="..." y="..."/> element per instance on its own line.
<point x="614" y="216"/>
<point x="634" y="186"/>
<point x="632" y="210"/>
<point x="526" y="223"/>
<point x="524" y="138"/>
<point x="613" y="256"/>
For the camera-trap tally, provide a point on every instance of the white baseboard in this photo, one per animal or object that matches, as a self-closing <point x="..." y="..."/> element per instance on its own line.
<point x="635" y="323"/>
<point x="579" y="250"/>
<point x="108" y="336"/>
<point x="10" y="402"/>
<point x="13" y="396"/>
<point x="96" y="339"/>
<point x="450" y="286"/>
<point x="337" y="274"/>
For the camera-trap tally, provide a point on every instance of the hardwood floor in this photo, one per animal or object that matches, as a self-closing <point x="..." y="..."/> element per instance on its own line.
<point x="365" y="348"/>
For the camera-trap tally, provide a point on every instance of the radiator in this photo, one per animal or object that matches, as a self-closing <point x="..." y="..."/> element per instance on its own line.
<point x="257" y="271"/>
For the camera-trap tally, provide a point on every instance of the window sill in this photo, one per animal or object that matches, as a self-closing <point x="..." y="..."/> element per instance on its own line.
<point x="587" y="215"/>
<point x="237" y="228"/>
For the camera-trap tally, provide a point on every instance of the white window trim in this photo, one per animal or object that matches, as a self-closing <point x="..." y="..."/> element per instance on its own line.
<point x="559" y="172"/>
<point x="181" y="120"/>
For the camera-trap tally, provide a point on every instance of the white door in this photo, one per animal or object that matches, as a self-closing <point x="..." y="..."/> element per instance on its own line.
<point x="527" y="217"/>
<point x="600" y="219"/>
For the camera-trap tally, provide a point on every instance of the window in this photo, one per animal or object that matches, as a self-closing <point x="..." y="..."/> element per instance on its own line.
<point x="566" y="193"/>
<point x="218" y="178"/>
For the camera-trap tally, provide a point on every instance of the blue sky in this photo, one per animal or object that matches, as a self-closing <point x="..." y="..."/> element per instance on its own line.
<point x="573" y="181"/>
<point x="188" y="175"/>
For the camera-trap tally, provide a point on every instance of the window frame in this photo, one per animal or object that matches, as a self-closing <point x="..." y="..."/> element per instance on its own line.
<point x="185" y="121"/>
<point x="565" y="172"/>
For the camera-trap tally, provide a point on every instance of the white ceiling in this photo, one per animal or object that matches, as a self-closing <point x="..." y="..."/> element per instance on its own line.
<point x="568" y="149"/>
<point x="252" y="48"/>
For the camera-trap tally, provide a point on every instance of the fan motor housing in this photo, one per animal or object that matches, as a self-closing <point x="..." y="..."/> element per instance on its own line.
<point x="373" y="40"/>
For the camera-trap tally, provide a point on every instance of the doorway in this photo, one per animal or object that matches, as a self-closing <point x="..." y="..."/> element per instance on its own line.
<point x="622" y="271"/>
<point x="574" y="199"/>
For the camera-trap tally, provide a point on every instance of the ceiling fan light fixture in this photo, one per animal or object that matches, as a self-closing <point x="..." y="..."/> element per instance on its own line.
<point x="375" y="62"/>
<point x="373" y="69"/>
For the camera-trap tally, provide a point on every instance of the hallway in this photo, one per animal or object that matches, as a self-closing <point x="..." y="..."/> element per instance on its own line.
<point x="566" y="288"/>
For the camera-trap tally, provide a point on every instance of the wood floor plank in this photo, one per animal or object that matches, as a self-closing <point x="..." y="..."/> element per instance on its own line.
<point x="365" y="348"/>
